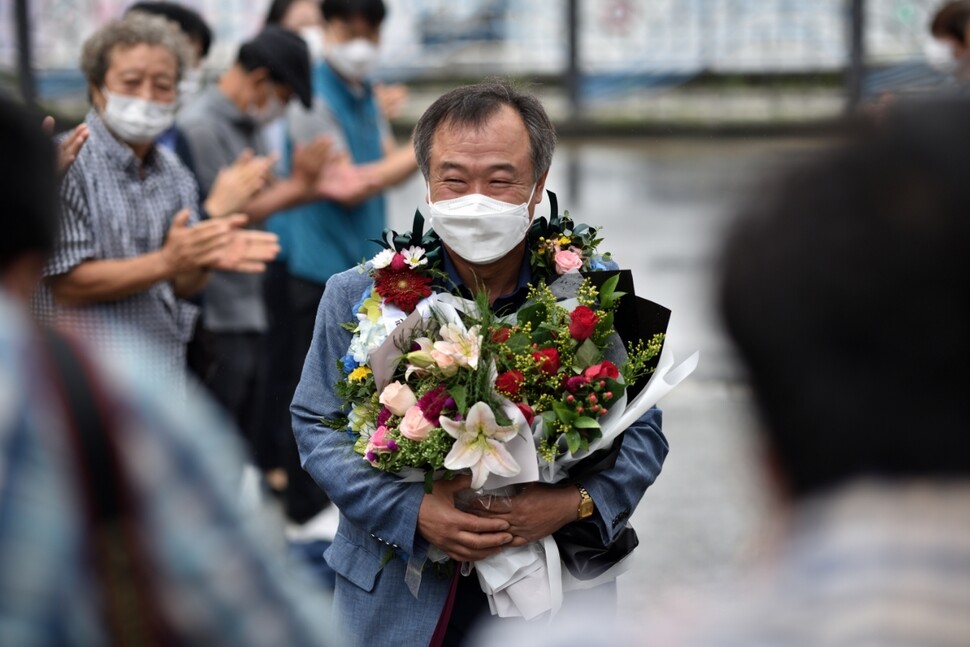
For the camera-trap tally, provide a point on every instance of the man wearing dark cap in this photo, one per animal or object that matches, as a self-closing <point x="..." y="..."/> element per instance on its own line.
<point x="220" y="126"/>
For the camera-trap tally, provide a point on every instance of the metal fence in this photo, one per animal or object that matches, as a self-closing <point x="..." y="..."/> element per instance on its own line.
<point x="630" y="54"/>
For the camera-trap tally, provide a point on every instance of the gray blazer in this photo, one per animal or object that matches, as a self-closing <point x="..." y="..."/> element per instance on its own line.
<point x="378" y="513"/>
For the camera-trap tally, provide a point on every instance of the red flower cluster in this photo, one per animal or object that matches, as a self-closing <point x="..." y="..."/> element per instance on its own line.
<point x="605" y="369"/>
<point x="582" y="323"/>
<point x="400" y="285"/>
<point x="547" y="360"/>
<point x="510" y="382"/>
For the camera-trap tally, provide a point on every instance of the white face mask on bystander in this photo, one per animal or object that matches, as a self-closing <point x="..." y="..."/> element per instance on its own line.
<point x="478" y="228"/>
<point x="355" y="59"/>
<point x="136" y="120"/>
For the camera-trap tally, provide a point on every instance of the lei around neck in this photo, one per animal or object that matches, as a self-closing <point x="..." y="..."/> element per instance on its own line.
<point x="556" y="245"/>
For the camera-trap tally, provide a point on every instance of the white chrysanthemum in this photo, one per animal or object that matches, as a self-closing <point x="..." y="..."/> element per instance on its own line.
<point x="382" y="259"/>
<point x="414" y="257"/>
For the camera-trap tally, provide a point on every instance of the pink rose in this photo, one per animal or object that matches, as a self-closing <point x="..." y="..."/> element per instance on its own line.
<point x="398" y="398"/>
<point x="414" y="425"/>
<point x="567" y="261"/>
<point x="378" y="443"/>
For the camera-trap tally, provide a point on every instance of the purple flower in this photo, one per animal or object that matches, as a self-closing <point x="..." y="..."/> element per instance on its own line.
<point x="383" y="416"/>
<point x="575" y="383"/>
<point x="432" y="402"/>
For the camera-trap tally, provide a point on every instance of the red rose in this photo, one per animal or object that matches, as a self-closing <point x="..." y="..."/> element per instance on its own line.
<point x="605" y="369"/>
<point x="582" y="323"/>
<point x="526" y="411"/>
<point x="502" y="335"/>
<point x="509" y="383"/>
<point x="548" y="360"/>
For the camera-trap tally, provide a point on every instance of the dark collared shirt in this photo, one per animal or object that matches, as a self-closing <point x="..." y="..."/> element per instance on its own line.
<point x="506" y="303"/>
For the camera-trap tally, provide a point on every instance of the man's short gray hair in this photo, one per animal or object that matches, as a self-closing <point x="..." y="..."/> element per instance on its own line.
<point x="473" y="105"/>
<point x="136" y="28"/>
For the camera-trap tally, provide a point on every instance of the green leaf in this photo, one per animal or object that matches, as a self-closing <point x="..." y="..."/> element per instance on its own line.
<point x="518" y="341"/>
<point x="564" y="413"/>
<point x="585" y="422"/>
<point x="607" y="290"/>
<point x="548" y="420"/>
<point x="534" y="314"/>
<point x="460" y="396"/>
<point x="586" y="355"/>
<point x="573" y="440"/>
<point x="428" y="482"/>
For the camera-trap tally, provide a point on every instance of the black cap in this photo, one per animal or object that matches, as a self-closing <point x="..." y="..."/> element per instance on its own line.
<point x="284" y="55"/>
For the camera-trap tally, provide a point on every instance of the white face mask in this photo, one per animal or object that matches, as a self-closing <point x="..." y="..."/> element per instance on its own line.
<point x="354" y="60"/>
<point x="939" y="56"/>
<point x="273" y="110"/>
<point x="190" y="86"/>
<point x="136" y="120"/>
<point x="478" y="228"/>
<point x="314" y="42"/>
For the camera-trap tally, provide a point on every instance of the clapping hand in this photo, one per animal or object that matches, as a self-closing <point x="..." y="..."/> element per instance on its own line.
<point x="310" y="160"/>
<point x="71" y="145"/>
<point x="391" y="98"/>
<point x="235" y="185"/>
<point x="345" y="183"/>
<point x="219" y="244"/>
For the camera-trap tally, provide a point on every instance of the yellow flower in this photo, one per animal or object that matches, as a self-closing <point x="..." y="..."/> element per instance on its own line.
<point x="372" y="307"/>
<point x="359" y="374"/>
<point x="564" y="240"/>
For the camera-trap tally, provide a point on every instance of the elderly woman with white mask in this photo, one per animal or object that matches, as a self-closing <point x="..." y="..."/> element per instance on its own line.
<point x="131" y="248"/>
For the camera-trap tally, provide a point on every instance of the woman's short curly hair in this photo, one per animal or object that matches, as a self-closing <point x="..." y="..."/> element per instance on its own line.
<point x="134" y="29"/>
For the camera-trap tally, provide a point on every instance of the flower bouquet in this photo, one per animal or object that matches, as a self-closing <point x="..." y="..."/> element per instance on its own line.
<point x="437" y="384"/>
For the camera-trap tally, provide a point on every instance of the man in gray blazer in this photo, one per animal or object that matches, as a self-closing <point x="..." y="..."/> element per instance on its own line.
<point x="485" y="152"/>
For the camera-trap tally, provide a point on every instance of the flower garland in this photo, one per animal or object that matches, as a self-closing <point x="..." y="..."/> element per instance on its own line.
<point x="466" y="382"/>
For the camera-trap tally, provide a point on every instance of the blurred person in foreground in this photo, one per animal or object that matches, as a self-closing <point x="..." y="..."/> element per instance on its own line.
<point x="485" y="152"/>
<point x="158" y="491"/>
<point x="131" y="249"/>
<point x="325" y="237"/>
<point x="848" y="297"/>
<point x="847" y="292"/>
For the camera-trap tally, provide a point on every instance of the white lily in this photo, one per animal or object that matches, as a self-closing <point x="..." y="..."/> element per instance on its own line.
<point x="480" y="444"/>
<point x="462" y="345"/>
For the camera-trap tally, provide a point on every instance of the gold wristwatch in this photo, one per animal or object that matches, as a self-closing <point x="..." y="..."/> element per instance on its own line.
<point x="586" y="506"/>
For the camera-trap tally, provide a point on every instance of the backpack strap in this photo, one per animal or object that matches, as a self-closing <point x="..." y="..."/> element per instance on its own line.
<point x="130" y="608"/>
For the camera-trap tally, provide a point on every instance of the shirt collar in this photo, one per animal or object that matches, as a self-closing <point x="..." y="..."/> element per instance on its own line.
<point x="515" y="298"/>
<point x="116" y="150"/>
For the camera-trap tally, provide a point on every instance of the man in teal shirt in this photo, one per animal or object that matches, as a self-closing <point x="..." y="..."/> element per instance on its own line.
<point x="328" y="236"/>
